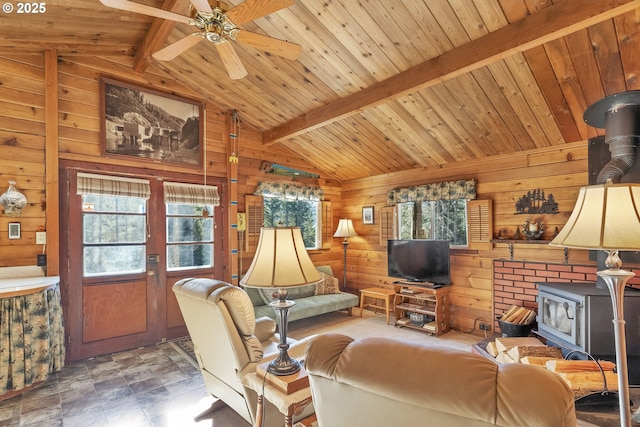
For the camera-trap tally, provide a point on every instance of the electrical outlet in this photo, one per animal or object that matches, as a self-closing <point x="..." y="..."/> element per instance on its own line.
<point x="485" y="327"/>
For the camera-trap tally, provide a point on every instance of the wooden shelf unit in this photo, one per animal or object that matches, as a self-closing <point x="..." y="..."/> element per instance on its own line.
<point x="427" y="301"/>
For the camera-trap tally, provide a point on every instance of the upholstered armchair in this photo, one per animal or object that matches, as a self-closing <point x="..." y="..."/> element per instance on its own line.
<point x="230" y="342"/>
<point x="379" y="382"/>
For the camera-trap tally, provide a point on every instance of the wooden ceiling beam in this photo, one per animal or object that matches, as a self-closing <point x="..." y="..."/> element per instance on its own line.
<point x="551" y="23"/>
<point x="157" y="35"/>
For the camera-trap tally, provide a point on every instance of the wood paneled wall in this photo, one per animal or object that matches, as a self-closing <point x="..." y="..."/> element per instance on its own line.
<point x="22" y="153"/>
<point x="504" y="179"/>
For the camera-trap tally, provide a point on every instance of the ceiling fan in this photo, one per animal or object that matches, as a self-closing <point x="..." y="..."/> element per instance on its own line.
<point x="217" y="23"/>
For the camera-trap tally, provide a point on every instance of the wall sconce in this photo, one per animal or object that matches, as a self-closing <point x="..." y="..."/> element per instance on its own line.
<point x="13" y="201"/>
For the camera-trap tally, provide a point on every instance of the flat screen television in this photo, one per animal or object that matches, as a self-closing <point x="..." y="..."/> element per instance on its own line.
<point x="419" y="261"/>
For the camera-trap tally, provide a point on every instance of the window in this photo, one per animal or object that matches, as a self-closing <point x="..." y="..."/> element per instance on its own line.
<point x="435" y="211"/>
<point x="434" y="220"/>
<point x="113" y="234"/>
<point x="190" y="224"/>
<point x="298" y="213"/>
<point x="114" y="224"/>
<point x="189" y="236"/>
<point x="291" y="206"/>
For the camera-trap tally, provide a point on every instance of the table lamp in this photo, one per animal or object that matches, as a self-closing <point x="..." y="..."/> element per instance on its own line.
<point x="281" y="261"/>
<point x="345" y="229"/>
<point x="607" y="217"/>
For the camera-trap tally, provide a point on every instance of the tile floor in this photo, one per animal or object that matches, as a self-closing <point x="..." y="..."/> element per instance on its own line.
<point x="149" y="386"/>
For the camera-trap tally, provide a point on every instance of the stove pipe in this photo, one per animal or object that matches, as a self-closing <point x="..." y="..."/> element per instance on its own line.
<point x="619" y="115"/>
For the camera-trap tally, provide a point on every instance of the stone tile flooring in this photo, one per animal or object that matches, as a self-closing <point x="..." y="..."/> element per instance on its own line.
<point x="149" y="386"/>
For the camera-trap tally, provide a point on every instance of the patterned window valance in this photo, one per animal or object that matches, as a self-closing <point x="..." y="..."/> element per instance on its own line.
<point x="289" y="191"/>
<point x="191" y="194"/>
<point x="113" y="186"/>
<point x="437" y="191"/>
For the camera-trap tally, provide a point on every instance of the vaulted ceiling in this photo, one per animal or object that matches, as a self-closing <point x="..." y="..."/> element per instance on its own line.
<point x="380" y="86"/>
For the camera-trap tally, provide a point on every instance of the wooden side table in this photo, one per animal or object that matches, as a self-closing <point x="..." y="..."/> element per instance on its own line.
<point x="377" y="294"/>
<point x="291" y="394"/>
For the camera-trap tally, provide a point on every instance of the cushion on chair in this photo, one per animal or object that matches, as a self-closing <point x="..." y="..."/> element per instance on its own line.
<point x="241" y="311"/>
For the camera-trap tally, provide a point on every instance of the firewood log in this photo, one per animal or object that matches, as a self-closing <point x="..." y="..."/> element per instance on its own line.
<point x="569" y="366"/>
<point x="506" y="343"/>
<point x="537" y="360"/>
<point x="519" y="352"/>
<point x="591" y="381"/>
<point x="491" y="348"/>
<point x="509" y="312"/>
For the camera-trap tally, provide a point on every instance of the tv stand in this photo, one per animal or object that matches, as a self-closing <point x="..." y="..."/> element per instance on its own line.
<point x="422" y="308"/>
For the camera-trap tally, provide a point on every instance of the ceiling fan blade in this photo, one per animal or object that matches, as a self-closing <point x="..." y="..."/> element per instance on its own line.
<point x="175" y="49"/>
<point x="201" y="5"/>
<point x="130" y="6"/>
<point x="252" y="9"/>
<point x="231" y="60"/>
<point x="277" y="47"/>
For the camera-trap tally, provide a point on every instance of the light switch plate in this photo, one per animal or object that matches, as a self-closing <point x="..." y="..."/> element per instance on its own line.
<point x="41" y="237"/>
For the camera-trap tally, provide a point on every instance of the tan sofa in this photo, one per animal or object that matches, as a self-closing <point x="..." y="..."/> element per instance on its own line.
<point x="384" y="382"/>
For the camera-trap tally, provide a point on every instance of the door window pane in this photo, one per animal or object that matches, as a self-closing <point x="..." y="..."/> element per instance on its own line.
<point x="189" y="236"/>
<point x="114" y="235"/>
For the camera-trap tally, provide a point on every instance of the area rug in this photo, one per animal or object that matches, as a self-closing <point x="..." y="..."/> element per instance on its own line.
<point x="184" y="346"/>
<point x="370" y="325"/>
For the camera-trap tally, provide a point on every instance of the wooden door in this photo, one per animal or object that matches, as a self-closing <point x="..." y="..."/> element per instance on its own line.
<point x="130" y="303"/>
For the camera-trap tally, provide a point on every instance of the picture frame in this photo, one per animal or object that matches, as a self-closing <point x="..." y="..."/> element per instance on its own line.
<point x="14" y="230"/>
<point x="145" y="124"/>
<point x="368" y="215"/>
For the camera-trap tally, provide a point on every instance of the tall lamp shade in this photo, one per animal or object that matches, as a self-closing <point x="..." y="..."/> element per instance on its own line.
<point x="607" y="217"/>
<point x="345" y="229"/>
<point x="281" y="261"/>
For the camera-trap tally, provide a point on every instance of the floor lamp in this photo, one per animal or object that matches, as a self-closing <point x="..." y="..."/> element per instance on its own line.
<point x="607" y="217"/>
<point x="345" y="229"/>
<point x="281" y="261"/>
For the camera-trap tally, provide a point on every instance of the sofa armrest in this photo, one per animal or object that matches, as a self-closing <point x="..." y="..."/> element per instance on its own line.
<point x="265" y="328"/>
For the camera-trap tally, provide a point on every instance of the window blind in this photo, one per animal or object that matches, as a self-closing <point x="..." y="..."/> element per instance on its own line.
<point x="192" y="194"/>
<point x="112" y="186"/>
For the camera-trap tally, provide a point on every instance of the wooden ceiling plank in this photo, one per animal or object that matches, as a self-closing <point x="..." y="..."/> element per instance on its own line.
<point x="366" y="148"/>
<point x="585" y="65"/>
<point x="520" y="71"/>
<point x="562" y="65"/>
<point x="549" y="24"/>
<point x="545" y="76"/>
<point x="513" y="125"/>
<point x="628" y="30"/>
<point x="605" y="48"/>
<point x="422" y="137"/>
<point x="493" y="15"/>
<point x="347" y="74"/>
<point x="412" y="138"/>
<point x="439" y="128"/>
<point x="158" y="34"/>
<point x="514" y="95"/>
<point x="457" y="118"/>
<point x="474" y="101"/>
<point x="335" y="16"/>
<point x="449" y="22"/>
<point x="393" y="156"/>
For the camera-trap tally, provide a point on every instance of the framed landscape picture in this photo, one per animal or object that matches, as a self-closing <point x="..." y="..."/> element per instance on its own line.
<point x="150" y="125"/>
<point x="367" y="215"/>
